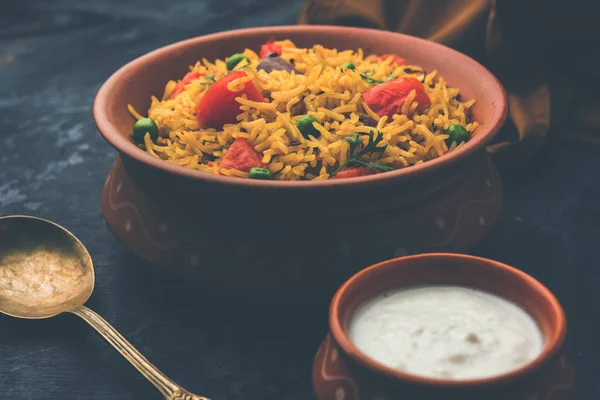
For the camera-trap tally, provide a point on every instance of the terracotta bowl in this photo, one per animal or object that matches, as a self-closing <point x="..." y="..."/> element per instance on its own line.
<point x="342" y="372"/>
<point x="256" y="235"/>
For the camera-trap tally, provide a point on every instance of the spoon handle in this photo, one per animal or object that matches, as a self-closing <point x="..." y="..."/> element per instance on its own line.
<point x="167" y="387"/>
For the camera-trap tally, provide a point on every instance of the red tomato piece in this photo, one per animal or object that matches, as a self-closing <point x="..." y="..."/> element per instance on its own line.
<point x="387" y="98"/>
<point x="354" y="172"/>
<point x="187" y="79"/>
<point x="397" y="59"/>
<point x="242" y="156"/>
<point x="217" y="106"/>
<point x="269" y="48"/>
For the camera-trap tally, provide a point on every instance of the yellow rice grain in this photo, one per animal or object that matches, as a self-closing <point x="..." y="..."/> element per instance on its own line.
<point x="133" y="112"/>
<point x="370" y="112"/>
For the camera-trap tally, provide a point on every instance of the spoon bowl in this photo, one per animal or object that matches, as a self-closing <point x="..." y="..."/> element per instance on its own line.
<point x="45" y="271"/>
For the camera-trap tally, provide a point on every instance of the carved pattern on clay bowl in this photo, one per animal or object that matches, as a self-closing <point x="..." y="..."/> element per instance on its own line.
<point x="336" y="381"/>
<point x="454" y="219"/>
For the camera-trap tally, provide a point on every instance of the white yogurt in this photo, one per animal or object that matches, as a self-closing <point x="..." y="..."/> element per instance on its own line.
<point x="446" y="332"/>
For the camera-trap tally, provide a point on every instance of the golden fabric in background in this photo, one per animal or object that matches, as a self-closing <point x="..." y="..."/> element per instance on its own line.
<point x="546" y="55"/>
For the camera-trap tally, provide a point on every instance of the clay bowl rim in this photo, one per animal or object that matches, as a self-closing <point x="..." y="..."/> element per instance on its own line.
<point x="121" y="143"/>
<point x="550" y="349"/>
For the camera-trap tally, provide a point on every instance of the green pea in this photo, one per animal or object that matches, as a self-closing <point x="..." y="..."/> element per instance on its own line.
<point x="143" y="126"/>
<point x="234" y="60"/>
<point x="457" y="133"/>
<point x="347" y="66"/>
<point x="305" y="126"/>
<point x="260" y="173"/>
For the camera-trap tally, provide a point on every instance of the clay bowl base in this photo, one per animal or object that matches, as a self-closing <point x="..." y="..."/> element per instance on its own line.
<point x="452" y="219"/>
<point x="335" y="379"/>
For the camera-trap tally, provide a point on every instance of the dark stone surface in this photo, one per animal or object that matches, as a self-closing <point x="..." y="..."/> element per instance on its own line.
<point x="54" y="55"/>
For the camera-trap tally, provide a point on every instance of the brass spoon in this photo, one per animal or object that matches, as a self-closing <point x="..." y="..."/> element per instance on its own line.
<point x="45" y="271"/>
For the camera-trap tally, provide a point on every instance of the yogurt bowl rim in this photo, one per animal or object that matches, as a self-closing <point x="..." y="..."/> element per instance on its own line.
<point x="550" y="349"/>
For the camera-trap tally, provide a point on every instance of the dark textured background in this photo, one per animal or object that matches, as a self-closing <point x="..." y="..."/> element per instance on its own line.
<point x="54" y="55"/>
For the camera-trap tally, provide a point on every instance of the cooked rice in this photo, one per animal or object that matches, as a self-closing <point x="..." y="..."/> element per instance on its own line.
<point x="323" y="91"/>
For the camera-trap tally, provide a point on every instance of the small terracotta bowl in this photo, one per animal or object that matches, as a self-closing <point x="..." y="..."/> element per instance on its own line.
<point x="342" y="372"/>
<point x="241" y="235"/>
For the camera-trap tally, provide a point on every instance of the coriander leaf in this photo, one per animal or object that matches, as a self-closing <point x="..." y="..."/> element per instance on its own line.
<point x="366" y="77"/>
<point x="371" y="147"/>
<point x="211" y="79"/>
<point x="354" y="141"/>
<point x="369" y="80"/>
<point x="373" y="165"/>
<point x="379" y="166"/>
